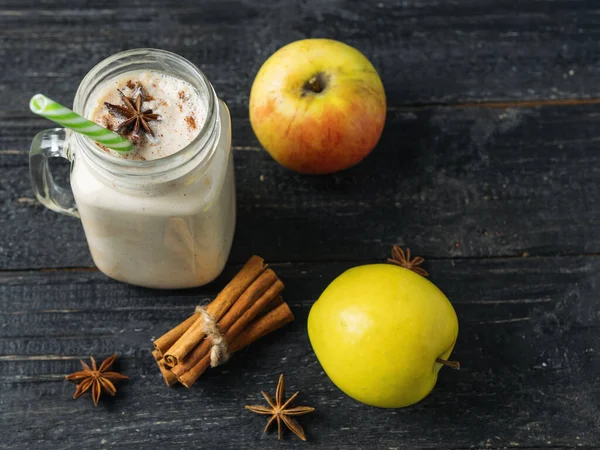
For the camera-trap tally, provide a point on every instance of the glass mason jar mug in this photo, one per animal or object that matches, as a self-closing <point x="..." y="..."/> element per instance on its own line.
<point x="162" y="223"/>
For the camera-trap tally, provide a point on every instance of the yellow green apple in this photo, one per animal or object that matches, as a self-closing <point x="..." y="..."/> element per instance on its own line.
<point x="317" y="106"/>
<point x="382" y="333"/>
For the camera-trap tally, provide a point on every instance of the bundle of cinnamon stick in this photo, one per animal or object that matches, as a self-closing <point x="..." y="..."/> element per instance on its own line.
<point x="248" y="308"/>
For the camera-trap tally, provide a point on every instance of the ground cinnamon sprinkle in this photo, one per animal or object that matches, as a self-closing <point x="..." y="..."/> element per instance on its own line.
<point x="130" y="84"/>
<point x="181" y="95"/>
<point x="191" y="122"/>
<point x="108" y="123"/>
<point x="103" y="148"/>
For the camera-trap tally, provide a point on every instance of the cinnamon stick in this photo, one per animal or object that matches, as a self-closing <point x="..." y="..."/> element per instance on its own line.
<point x="270" y="307"/>
<point x="268" y="286"/>
<point x="273" y="320"/>
<point x="266" y="324"/>
<point x="166" y="341"/>
<point x="269" y="296"/>
<point x="168" y="376"/>
<point x="226" y="298"/>
<point x="264" y="284"/>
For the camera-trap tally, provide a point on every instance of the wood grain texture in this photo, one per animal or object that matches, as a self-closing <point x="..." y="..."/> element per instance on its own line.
<point x="427" y="51"/>
<point x="447" y="182"/>
<point x="489" y="153"/>
<point x="529" y="345"/>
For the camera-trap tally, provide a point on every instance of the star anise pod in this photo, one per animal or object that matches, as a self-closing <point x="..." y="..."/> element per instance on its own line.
<point x="403" y="260"/>
<point x="135" y="117"/>
<point x="99" y="379"/>
<point x="281" y="411"/>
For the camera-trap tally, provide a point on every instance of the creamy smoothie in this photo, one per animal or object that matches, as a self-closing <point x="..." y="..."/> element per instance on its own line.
<point x="171" y="232"/>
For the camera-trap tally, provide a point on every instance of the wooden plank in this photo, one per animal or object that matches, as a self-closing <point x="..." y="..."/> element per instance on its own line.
<point x="427" y="51"/>
<point x="448" y="182"/>
<point x="528" y="342"/>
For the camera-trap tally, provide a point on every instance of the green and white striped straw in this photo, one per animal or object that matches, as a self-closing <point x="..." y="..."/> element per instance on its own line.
<point x="45" y="107"/>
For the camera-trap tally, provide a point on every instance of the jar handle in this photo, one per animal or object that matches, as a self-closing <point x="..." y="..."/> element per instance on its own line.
<point x="45" y="145"/>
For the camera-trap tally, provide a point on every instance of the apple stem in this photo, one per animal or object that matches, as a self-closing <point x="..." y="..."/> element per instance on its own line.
<point x="316" y="83"/>
<point x="452" y="364"/>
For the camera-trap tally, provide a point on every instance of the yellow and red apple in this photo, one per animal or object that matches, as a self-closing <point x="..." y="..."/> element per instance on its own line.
<point x="317" y="106"/>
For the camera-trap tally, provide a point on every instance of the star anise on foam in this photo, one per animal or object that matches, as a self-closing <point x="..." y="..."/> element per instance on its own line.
<point x="99" y="379"/>
<point x="402" y="259"/>
<point x="135" y="117"/>
<point x="281" y="411"/>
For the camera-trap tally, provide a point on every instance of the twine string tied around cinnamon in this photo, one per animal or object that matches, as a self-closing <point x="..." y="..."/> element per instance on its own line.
<point x="219" y="352"/>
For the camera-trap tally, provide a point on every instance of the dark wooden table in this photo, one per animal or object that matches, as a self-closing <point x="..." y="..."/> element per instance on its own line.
<point x="489" y="166"/>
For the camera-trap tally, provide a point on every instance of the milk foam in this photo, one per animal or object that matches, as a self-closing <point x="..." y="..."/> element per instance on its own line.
<point x="182" y="112"/>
